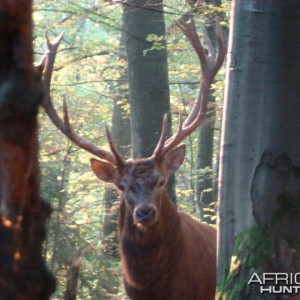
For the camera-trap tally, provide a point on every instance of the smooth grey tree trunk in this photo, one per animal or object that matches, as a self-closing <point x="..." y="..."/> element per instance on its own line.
<point x="205" y="161"/>
<point x="260" y="147"/>
<point x="147" y="73"/>
<point x="149" y="93"/>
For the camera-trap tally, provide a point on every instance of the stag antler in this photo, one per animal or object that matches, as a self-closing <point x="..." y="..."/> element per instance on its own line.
<point x="210" y="64"/>
<point x="65" y="127"/>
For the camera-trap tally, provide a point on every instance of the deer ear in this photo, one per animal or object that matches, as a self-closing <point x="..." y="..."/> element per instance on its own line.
<point x="104" y="170"/>
<point x="174" y="159"/>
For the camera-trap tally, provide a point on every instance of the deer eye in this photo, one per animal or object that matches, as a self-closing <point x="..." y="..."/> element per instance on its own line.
<point x="161" y="182"/>
<point x="121" y="186"/>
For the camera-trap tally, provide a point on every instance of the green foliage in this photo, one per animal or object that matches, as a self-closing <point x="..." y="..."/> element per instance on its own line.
<point x="157" y="42"/>
<point x="211" y="211"/>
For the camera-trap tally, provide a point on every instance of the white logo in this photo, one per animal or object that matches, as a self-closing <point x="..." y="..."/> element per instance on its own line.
<point x="277" y="283"/>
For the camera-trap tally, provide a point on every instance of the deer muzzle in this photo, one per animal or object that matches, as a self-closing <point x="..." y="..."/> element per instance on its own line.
<point x="145" y="214"/>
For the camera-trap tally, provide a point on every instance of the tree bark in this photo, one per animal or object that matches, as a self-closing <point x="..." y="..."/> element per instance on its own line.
<point x="205" y="162"/>
<point x="23" y="274"/>
<point x="55" y="233"/>
<point x="72" y="279"/>
<point x="259" y="188"/>
<point x="149" y="93"/>
<point x="147" y="73"/>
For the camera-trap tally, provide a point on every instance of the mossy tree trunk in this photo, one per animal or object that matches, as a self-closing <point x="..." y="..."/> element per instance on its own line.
<point x="23" y="274"/>
<point x="260" y="155"/>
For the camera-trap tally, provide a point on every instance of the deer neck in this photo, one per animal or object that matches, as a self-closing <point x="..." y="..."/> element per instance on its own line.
<point x="154" y="250"/>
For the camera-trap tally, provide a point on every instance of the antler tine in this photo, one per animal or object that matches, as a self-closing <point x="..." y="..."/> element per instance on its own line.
<point x="209" y="68"/>
<point x="200" y="105"/>
<point x="190" y="31"/>
<point x="172" y="142"/>
<point x="50" y="57"/>
<point x="65" y="126"/>
<point x="221" y="49"/>
<point x="163" y="137"/>
<point x="119" y="159"/>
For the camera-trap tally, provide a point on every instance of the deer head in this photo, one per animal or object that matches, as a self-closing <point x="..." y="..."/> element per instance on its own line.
<point x="142" y="181"/>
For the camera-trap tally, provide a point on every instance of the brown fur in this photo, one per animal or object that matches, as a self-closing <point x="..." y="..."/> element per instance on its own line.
<point x="174" y="259"/>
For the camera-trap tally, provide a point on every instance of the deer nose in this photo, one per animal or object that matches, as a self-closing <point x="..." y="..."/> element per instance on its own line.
<point x="144" y="214"/>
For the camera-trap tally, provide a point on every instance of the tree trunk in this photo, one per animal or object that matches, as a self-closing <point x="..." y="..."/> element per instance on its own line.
<point x="147" y="73"/>
<point x="149" y="93"/>
<point x="56" y="232"/>
<point x="260" y="155"/>
<point x="23" y="274"/>
<point x="120" y="119"/>
<point x="204" y="166"/>
<point x="72" y="279"/>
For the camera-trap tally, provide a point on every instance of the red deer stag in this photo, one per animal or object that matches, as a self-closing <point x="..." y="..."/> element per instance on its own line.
<point x="165" y="254"/>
